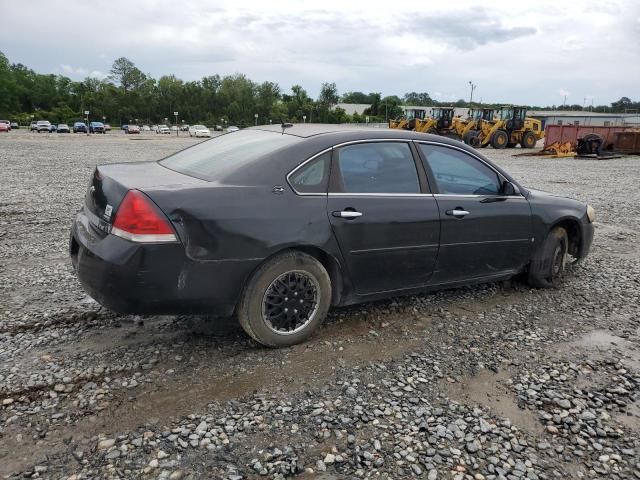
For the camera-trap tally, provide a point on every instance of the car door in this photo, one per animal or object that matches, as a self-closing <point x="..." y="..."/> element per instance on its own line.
<point x="483" y="232"/>
<point x="385" y="220"/>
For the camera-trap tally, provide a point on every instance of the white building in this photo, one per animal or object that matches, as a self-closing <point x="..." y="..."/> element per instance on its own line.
<point x="592" y="119"/>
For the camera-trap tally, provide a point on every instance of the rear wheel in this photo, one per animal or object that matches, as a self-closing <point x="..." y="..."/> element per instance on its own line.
<point x="285" y="300"/>
<point x="529" y="140"/>
<point x="499" y="139"/>
<point x="549" y="263"/>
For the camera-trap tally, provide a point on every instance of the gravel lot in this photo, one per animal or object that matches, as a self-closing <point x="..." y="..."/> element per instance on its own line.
<point x="494" y="381"/>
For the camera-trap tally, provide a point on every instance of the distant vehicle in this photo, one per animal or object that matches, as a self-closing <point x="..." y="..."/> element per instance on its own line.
<point x="43" y="126"/>
<point x="96" y="127"/>
<point x="53" y="128"/>
<point x="124" y="127"/>
<point x="174" y="128"/>
<point x="107" y="127"/>
<point x="7" y="123"/>
<point x="15" y="125"/>
<point x="146" y="128"/>
<point x="232" y="128"/>
<point x="199" y="131"/>
<point x="184" y="128"/>
<point x="163" y="129"/>
<point x="63" y="128"/>
<point x="79" y="127"/>
<point x="132" y="129"/>
<point x="218" y="128"/>
<point x="34" y="126"/>
<point x="4" y="127"/>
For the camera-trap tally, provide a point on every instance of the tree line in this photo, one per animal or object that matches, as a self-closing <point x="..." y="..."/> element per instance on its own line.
<point x="129" y="95"/>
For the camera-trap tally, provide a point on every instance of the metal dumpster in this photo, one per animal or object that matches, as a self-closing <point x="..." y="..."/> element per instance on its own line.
<point x="571" y="133"/>
<point x="628" y="142"/>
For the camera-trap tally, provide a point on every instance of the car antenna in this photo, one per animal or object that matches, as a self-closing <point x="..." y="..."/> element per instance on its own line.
<point x="285" y="125"/>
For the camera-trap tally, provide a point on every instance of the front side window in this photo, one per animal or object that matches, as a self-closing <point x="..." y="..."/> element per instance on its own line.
<point x="313" y="177"/>
<point x="457" y="173"/>
<point x="383" y="167"/>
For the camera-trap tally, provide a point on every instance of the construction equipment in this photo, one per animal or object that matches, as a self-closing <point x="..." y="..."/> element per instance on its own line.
<point x="407" y="121"/>
<point x="440" y="122"/>
<point x="478" y="123"/>
<point x="511" y="127"/>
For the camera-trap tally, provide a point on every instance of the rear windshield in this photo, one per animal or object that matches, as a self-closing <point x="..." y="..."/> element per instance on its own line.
<point x="211" y="159"/>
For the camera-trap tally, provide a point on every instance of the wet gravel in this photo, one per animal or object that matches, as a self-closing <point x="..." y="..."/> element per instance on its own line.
<point x="496" y="381"/>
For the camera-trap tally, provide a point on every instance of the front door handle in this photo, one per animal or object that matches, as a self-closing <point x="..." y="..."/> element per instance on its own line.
<point x="458" y="212"/>
<point x="347" y="214"/>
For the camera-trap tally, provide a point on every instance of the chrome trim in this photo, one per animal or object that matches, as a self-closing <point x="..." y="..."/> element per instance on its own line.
<point x="342" y="194"/>
<point x="347" y="214"/>
<point x="477" y="196"/>
<point x="138" y="238"/>
<point x="302" y="165"/>
<point x="374" y="140"/>
<point x="459" y="213"/>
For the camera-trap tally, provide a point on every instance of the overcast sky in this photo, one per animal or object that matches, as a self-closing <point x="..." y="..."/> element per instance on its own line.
<point x="515" y="52"/>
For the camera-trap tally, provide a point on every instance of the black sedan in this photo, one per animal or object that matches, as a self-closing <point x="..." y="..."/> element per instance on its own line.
<point x="277" y="225"/>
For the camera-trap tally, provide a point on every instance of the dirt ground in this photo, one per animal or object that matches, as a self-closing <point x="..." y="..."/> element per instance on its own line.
<point x="490" y="381"/>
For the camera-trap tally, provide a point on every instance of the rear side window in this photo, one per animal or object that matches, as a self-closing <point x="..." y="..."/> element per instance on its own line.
<point x="384" y="167"/>
<point x="224" y="154"/>
<point x="313" y="177"/>
<point x="457" y="173"/>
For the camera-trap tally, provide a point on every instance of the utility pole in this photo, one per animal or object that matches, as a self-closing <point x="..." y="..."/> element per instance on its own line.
<point x="473" y="87"/>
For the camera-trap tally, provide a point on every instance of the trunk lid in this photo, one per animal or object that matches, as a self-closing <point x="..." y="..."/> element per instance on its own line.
<point x="110" y="183"/>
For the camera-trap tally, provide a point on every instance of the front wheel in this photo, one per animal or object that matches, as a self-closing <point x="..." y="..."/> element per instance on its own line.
<point x="549" y="263"/>
<point x="499" y="139"/>
<point x="285" y="300"/>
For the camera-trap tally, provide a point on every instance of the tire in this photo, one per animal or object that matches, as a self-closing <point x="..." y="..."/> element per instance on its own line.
<point x="303" y="274"/>
<point x="499" y="139"/>
<point x="548" y="264"/>
<point x="528" y="140"/>
<point x="467" y="136"/>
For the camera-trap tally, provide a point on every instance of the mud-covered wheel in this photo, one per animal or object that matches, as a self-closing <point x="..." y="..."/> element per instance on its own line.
<point x="548" y="264"/>
<point x="285" y="300"/>
<point x="499" y="139"/>
<point x="529" y="140"/>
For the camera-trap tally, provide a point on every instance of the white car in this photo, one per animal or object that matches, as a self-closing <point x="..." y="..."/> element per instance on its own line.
<point x="146" y="128"/>
<point x="163" y="129"/>
<point x="232" y="129"/>
<point x="199" y="131"/>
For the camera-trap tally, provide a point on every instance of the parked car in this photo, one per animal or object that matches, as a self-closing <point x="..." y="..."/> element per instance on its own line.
<point x="63" y="128"/>
<point x="43" y="126"/>
<point x="322" y="216"/>
<point x="15" y="125"/>
<point x="79" y="127"/>
<point x="163" y="129"/>
<point x="124" y="127"/>
<point x="53" y="128"/>
<point x="34" y="126"/>
<point x="107" y="127"/>
<point x="199" y="131"/>
<point x="232" y="129"/>
<point x="174" y="128"/>
<point x="4" y="127"/>
<point x="96" y="127"/>
<point x="132" y="129"/>
<point x="184" y="128"/>
<point x="7" y="123"/>
<point x="146" y="128"/>
<point x="218" y="128"/>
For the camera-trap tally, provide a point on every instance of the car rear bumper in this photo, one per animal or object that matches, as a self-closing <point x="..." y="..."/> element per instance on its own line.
<point x="129" y="277"/>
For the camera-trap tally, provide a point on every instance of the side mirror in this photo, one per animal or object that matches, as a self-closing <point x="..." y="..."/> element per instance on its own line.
<point x="508" y="189"/>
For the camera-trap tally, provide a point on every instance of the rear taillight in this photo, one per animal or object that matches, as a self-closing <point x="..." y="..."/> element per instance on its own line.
<point x="139" y="220"/>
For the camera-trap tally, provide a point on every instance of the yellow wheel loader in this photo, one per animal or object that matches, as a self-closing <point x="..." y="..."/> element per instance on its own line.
<point x="407" y="121"/>
<point x="511" y="127"/>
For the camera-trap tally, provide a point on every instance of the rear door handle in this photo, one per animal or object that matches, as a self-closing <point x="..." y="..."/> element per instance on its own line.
<point x="457" y="212"/>
<point x="347" y="214"/>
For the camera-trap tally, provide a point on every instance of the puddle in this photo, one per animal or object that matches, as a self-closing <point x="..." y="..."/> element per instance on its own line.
<point x="488" y="389"/>
<point x="602" y="341"/>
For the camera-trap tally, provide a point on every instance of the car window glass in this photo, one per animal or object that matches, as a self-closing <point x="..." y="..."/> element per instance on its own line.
<point x="383" y="167"/>
<point x="458" y="173"/>
<point x="227" y="153"/>
<point x="312" y="177"/>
